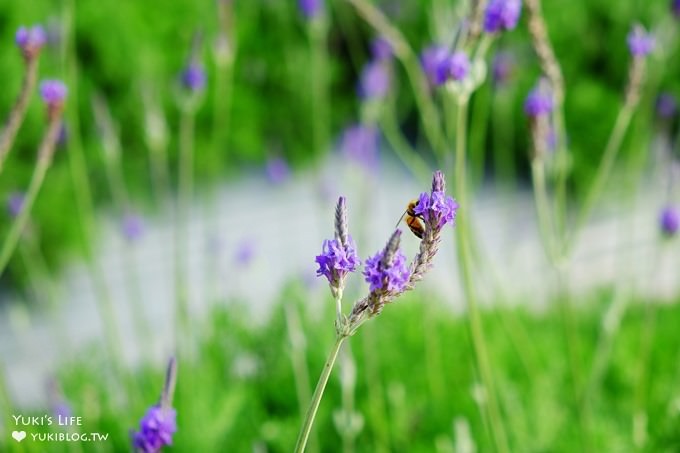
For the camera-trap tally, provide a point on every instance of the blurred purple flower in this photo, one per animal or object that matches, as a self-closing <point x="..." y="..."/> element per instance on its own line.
<point x="132" y="227"/>
<point x="14" y="203"/>
<point x="277" y="170"/>
<point x="374" y="82"/>
<point x="670" y="220"/>
<point x="502" y="67"/>
<point x="381" y="49"/>
<point x="502" y="15"/>
<point x="156" y="429"/>
<point x="640" y="43"/>
<point x="675" y="8"/>
<point x="431" y="60"/>
<point x="388" y="277"/>
<point x="457" y="66"/>
<point x="310" y="8"/>
<point x="539" y="101"/>
<point x="193" y="77"/>
<point x="666" y="105"/>
<point x="53" y="93"/>
<point x="245" y="252"/>
<point x="30" y="40"/>
<point x="360" y="143"/>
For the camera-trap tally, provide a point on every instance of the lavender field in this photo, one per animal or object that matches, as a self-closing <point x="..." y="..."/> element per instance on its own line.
<point x="340" y="225"/>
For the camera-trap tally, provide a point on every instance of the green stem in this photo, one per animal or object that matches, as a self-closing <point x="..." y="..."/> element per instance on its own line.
<point x="318" y="394"/>
<point x="317" y="34"/>
<point x="18" y="112"/>
<point x="44" y="161"/>
<point x="465" y="266"/>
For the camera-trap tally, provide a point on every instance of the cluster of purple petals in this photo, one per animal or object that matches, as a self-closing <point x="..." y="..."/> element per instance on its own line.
<point x="193" y="77"/>
<point x="640" y="43"/>
<point x="666" y="105"/>
<point x="337" y="261"/>
<point x="53" y="92"/>
<point x="30" y="40"/>
<point x="431" y="60"/>
<point x="670" y="220"/>
<point x="502" y="15"/>
<point x="310" y="8"/>
<point x="393" y="278"/>
<point x="277" y="170"/>
<point x="156" y="429"/>
<point x="457" y="66"/>
<point x="374" y="82"/>
<point x="14" y="203"/>
<point x="539" y="102"/>
<point x="360" y="143"/>
<point x="675" y="8"/>
<point x="437" y="209"/>
<point x="381" y="49"/>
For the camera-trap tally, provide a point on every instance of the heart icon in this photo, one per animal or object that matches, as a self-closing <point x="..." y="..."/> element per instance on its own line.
<point x="19" y="435"/>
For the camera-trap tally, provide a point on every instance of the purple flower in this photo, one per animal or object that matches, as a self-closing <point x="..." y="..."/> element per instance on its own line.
<point x="374" y="82"/>
<point x="391" y="277"/>
<point x="381" y="49"/>
<point x="53" y="93"/>
<point x="431" y="60"/>
<point x="640" y="43"/>
<point x="193" y="77"/>
<point x="310" y="8"/>
<point x="31" y="40"/>
<point x="336" y="261"/>
<point x="666" y="105"/>
<point x="675" y="8"/>
<point x="437" y="209"/>
<point x="670" y="220"/>
<point x="245" y="252"/>
<point x="502" y="15"/>
<point x="277" y="170"/>
<point x="360" y="143"/>
<point x="502" y="67"/>
<point x="14" y="203"/>
<point x="156" y="429"/>
<point x="539" y="101"/>
<point x="132" y="227"/>
<point x="457" y="66"/>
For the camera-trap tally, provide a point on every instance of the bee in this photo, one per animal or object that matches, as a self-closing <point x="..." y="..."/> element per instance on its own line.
<point x="413" y="220"/>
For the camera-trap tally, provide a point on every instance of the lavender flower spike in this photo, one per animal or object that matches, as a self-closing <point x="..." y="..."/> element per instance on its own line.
<point x="539" y="101"/>
<point x="386" y="271"/>
<point x="193" y="77"/>
<point x="159" y="423"/>
<point x="670" y="221"/>
<point x="310" y="8"/>
<point x="338" y="256"/>
<point x="502" y="15"/>
<point x="640" y="43"/>
<point x="457" y="66"/>
<point x="30" y="40"/>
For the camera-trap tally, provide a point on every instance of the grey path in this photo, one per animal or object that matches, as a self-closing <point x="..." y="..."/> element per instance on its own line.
<point x="286" y="224"/>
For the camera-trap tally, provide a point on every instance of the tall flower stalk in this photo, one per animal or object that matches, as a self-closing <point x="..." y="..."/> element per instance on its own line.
<point x="386" y="272"/>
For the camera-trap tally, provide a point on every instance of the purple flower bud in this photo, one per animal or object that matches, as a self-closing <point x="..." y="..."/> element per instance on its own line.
<point x="437" y="209"/>
<point x="381" y="49"/>
<point x="502" y="68"/>
<point x="640" y="43"/>
<point x="431" y="60"/>
<point x="374" y="82"/>
<point x="31" y="40"/>
<point x="156" y="429"/>
<point x="670" y="220"/>
<point x="336" y="261"/>
<point x="387" y="274"/>
<point x="502" y="15"/>
<point x="539" y="101"/>
<point x="14" y="203"/>
<point x="457" y="66"/>
<point x="675" y="8"/>
<point x="53" y="93"/>
<point x="310" y="8"/>
<point x="666" y="105"/>
<point x="132" y="227"/>
<point x="193" y="77"/>
<point x="277" y="170"/>
<point x="360" y="143"/>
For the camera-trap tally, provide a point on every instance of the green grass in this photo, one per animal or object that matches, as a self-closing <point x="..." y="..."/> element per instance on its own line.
<point x="415" y="375"/>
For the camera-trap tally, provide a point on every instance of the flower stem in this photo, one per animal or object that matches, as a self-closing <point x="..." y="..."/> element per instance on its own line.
<point x="318" y="394"/>
<point x="465" y="266"/>
<point x="18" y="113"/>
